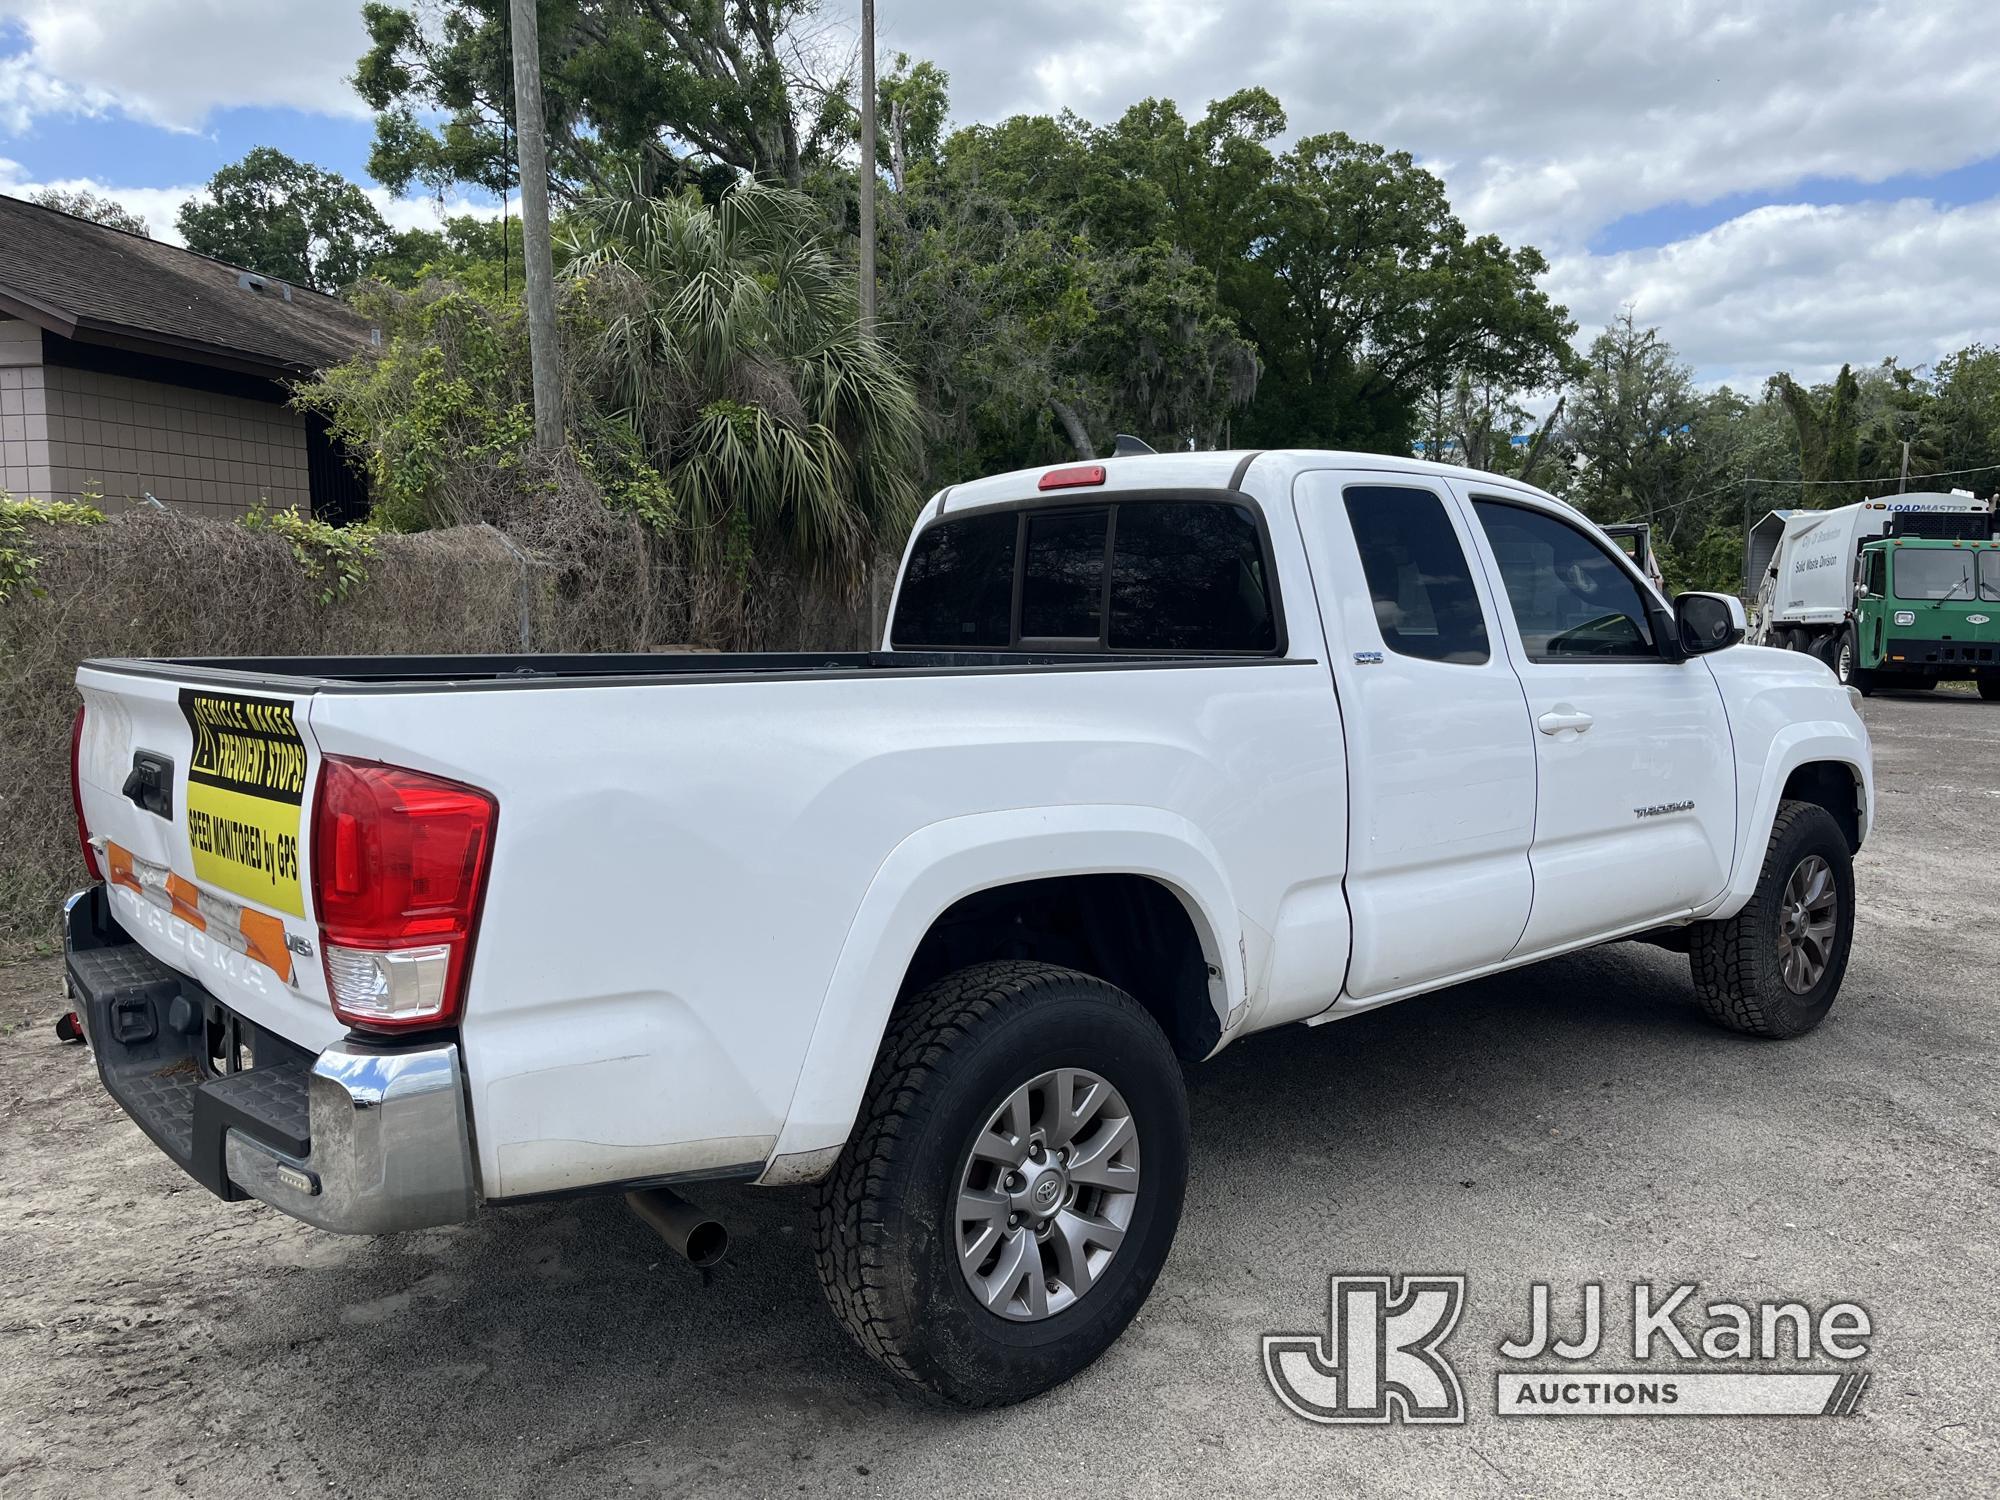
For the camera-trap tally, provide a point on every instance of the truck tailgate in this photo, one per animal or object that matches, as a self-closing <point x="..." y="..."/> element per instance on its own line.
<point x="198" y="799"/>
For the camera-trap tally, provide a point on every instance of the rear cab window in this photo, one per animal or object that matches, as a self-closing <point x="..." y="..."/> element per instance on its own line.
<point x="1188" y="576"/>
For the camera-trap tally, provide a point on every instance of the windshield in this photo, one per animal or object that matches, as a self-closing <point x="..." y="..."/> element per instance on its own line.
<point x="1934" y="575"/>
<point x="1989" y="575"/>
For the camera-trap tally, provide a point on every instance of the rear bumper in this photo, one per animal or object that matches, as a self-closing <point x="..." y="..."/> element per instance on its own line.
<point x="360" y="1139"/>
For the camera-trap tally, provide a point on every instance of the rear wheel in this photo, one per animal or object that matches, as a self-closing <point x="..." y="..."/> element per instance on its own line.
<point x="1012" y="1187"/>
<point x="1775" y="967"/>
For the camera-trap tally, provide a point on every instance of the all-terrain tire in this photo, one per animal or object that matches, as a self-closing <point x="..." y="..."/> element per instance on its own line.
<point x="885" y="1222"/>
<point x="1738" y="972"/>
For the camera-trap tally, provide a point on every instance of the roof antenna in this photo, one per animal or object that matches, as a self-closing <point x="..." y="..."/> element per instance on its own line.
<point x="1127" y="446"/>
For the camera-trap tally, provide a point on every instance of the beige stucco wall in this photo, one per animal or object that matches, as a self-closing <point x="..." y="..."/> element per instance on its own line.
<point x="208" y="454"/>
<point x="65" y="432"/>
<point x="24" y="435"/>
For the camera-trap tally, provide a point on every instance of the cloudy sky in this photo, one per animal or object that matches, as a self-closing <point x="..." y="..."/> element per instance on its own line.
<point x="1776" y="183"/>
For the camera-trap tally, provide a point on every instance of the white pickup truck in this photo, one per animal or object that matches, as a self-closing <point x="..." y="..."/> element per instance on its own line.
<point x="1158" y="752"/>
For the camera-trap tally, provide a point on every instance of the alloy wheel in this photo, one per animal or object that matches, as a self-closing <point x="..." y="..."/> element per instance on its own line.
<point x="1046" y="1195"/>
<point x="1808" y="915"/>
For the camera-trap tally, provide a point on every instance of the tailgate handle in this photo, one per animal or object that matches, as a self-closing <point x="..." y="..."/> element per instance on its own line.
<point x="151" y="784"/>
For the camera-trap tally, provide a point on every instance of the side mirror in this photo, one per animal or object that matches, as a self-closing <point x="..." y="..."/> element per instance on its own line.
<point x="1708" y="622"/>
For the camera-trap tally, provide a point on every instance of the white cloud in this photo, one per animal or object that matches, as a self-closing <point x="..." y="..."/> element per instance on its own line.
<point x="428" y="213"/>
<point x="26" y="91"/>
<point x="1550" y="122"/>
<point x="171" y="62"/>
<point x="1546" y="121"/>
<point x="1805" y="288"/>
<point x="158" y="206"/>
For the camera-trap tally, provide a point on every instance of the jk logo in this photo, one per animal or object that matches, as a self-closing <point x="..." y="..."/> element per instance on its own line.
<point x="1379" y="1360"/>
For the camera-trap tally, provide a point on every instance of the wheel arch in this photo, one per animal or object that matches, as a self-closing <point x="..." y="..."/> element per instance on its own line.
<point x="946" y="890"/>
<point x="1824" y="763"/>
<point x="1834" y="785"/>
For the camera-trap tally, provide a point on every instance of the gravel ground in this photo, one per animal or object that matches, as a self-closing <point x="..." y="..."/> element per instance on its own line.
<point x="1572" y="1122"/>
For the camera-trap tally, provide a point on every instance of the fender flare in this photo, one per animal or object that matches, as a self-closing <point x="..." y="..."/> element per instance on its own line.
<point x="1794" y="746"/>
<point x="939" y="865"/>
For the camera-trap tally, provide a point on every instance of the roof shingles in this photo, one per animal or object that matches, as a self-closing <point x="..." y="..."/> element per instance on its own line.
<point x="104" y="280"/>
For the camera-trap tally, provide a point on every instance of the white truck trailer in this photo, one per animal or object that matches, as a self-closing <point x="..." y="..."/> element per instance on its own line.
<point x="1806" y="565"/>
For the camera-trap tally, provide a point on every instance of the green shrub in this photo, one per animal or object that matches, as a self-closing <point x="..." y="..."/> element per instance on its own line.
<point x="17" y="520"/>
<point x="330" y="556"/>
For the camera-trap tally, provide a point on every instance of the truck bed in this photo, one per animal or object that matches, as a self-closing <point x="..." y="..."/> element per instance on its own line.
<point x="365" y="674"/>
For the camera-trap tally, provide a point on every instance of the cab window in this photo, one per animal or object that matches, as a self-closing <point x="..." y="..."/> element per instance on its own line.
<point x="1570" y="599"/>
<point x="1189" y="577"/>
<point x="1936" y="574"/>
<point x="1871" y="574"/>
<point x="1989" y="576"/>
<point x="958" y="586"/>
<point x="1062" y="587"/>
<point x="1131" y="576"/>
<point x="1417" y="575"/>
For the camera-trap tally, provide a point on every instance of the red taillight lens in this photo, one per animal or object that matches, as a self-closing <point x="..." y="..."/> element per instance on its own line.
<point x="399" y="867"/>
<point x="76" y="795"/>
<point x="1075" y="477"/>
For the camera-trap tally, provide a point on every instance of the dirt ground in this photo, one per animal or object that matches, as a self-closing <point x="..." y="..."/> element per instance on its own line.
<point x="1577" y="1121"/>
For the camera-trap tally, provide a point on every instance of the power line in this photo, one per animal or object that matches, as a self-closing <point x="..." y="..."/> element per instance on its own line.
<point x="1940" y="474"/>
<point x="1677" y="506"/>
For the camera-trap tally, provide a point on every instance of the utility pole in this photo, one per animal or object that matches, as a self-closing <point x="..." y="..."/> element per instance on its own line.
<point x="867" y="167"/>
<point x="1750" y="585"/>
<point x="537" y="254"/>
<point x="1903" y="483"/>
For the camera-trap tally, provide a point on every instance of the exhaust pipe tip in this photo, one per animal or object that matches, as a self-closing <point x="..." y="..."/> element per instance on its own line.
<point x="691" y="1234"/>
<point x="707" y="1244"/>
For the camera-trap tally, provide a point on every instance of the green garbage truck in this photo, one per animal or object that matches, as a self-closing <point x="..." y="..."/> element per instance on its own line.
<point x="1902" y="592"/>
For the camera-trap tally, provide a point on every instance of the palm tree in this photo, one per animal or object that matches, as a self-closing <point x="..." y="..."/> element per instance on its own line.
<point x="727" y="338"/>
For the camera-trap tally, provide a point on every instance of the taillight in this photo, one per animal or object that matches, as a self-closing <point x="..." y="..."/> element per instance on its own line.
<point x="399" y="867"/>
<point x="76" y="795"/>
<point x="1077" y="476"/>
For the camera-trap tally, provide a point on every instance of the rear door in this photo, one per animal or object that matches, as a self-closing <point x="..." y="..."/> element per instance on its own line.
<point x="199" y="797"/>
<point x="1441" y="759"/>
<point x="1636" y="817"/>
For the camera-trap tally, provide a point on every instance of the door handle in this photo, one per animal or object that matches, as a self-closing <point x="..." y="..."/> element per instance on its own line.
<point x="1562" y="717"/>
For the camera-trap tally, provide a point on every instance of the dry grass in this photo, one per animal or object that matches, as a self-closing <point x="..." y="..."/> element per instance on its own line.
<point x="148" y="583"/>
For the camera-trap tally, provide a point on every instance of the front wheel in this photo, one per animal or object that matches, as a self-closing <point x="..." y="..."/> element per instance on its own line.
<point x="1775" y="967"/>
<point x="1989" y="689"/>
<point x="1013" y="1184"/>
<point x="1847" y="663"/>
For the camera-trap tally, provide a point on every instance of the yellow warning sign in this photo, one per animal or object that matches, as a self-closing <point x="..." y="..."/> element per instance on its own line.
<point x="245" y="789"/>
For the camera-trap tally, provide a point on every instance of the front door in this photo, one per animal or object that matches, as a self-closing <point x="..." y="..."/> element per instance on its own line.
<point x="1636" y="815"/>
